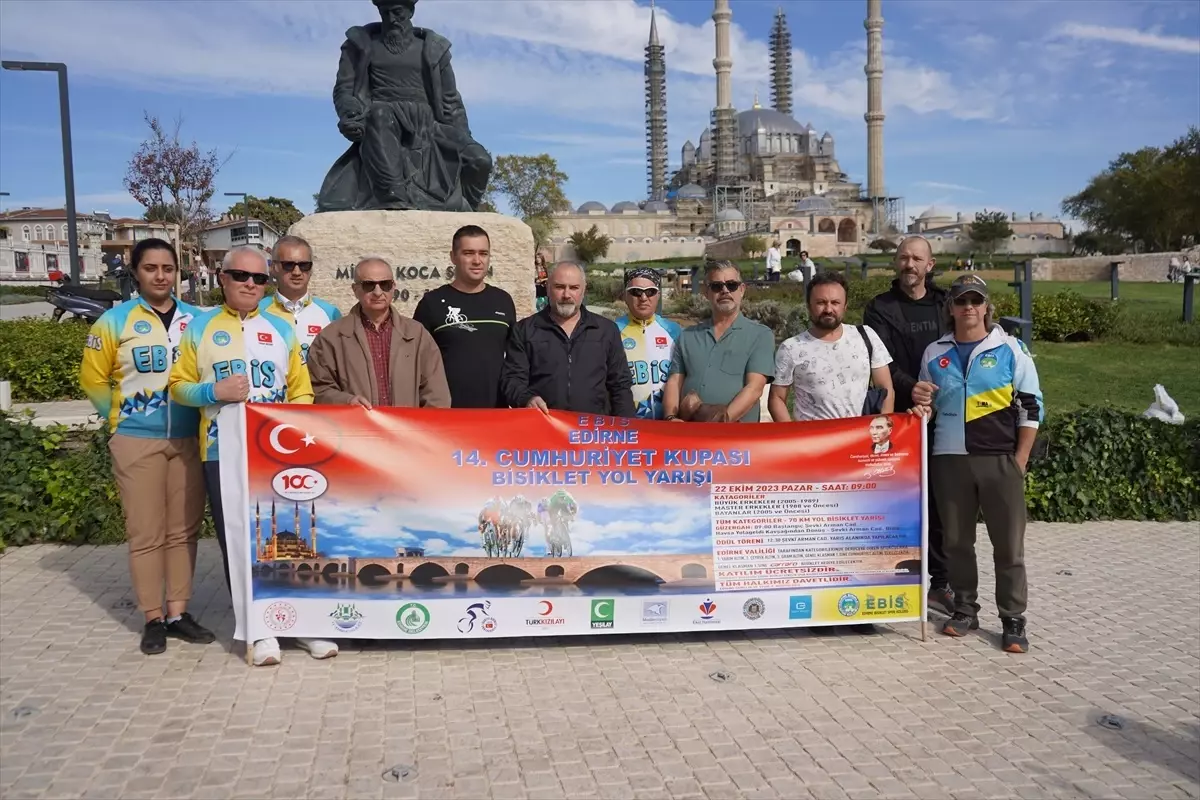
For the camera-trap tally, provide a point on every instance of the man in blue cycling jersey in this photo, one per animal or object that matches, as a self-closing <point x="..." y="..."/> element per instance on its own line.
<point x="648" y="339"/>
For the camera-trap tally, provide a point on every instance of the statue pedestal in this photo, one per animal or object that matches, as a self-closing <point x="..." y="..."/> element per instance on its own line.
<point x="417" y="245"/>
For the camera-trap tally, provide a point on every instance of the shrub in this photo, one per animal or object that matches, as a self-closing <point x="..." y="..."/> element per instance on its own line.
<point x="41" y="359"/>
<point x="1100" y="463"/>
<point x="686" y="304"/>
<point x="1144" y="326"/>
<point x="784" y="319"/>
<point x="1062" y="317"/>
<point x="603" y="289"/>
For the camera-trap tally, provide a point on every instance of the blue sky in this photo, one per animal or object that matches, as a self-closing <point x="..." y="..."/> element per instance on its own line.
<point x="994" y="104"/>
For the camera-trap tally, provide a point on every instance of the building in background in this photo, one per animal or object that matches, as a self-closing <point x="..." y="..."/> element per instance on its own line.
<point x="228" y="233"/>
<point x="1031" y="234"/>
<point x="34" y="243"/>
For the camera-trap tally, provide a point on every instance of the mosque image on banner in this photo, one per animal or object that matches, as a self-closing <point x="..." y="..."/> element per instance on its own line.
<point x="467" y="512"/>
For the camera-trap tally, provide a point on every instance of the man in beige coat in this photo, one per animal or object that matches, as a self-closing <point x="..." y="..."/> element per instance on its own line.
<point x="373" y="356"/>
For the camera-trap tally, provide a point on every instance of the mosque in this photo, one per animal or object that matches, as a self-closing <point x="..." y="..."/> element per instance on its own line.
<point x="762" y="172"/>
<point x="285" y="545"/>
<point x="758" y="171"/>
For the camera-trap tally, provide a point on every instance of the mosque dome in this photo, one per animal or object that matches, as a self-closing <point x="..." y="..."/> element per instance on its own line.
<point x="933" y="212"/>
<point x="813" y="204"/>
<point x="690" y="191"/>
<point x="768" y="120"/>
<point x="589" y="206"/>
<point x="655" y="206"/>
<point x="624" y="205"/>
<point x="730" y="215"/>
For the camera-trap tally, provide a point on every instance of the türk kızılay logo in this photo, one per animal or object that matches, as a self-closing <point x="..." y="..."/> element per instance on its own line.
<point x="753" y="608"/>
<point x="346" y="618"/>
<point x="412" y="618"/>
<point x="848" y="604"/>
<point x="280" y="616"/>
<point x="545" y="615"/>
<point x="708" y="613"/>
<point x="299" y="483"/>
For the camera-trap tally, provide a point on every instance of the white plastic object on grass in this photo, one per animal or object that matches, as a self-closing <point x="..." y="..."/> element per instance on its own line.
<point x="1164" y="408"/>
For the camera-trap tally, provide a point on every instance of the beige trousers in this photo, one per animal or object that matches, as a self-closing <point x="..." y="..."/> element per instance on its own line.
<point x="162" y="492"/>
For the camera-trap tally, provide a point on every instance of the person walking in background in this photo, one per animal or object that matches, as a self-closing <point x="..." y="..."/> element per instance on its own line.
<point x="155" y="453"/>
<point x="470" y="321"/>
<point x="565" y="357"/>
<point x="291" y="266"/>
<point x="540" y="276"/>
<point x="982" y="387"/>
<point x="723" y="361"/>
<point x="830" y="366"/>
<point x="236" y="354"/>
<point x="374" y="356"/>
<point x="908" y="318"/>
<point x="648" y="339"/>
<point x="774" y="262"/>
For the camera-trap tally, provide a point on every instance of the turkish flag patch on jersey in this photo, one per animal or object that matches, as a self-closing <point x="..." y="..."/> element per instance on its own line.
<point x="265" y="338"/>
<point x="660" y="341"/>
<point x="182" y="327"/>
<point x="943" y="362"/>
<point x="313" y="330"/>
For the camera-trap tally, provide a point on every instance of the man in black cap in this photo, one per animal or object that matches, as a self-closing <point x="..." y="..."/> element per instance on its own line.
<point x="648" y="339"/>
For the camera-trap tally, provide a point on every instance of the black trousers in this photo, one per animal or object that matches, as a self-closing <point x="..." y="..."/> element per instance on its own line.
<point x="212" y="485"/>
<point x="939" y="571"/>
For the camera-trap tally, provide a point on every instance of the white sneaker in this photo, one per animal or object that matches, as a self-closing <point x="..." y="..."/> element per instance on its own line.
<point x="318" y="648"/>
<point x="266" y="652"/>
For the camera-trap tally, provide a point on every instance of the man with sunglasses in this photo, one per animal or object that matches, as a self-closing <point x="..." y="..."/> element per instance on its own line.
<point x="648" y="340"/>
<point x="291" y="266"/>
<point x="982" y="386"/>
<point x="727" y="360"/>
<point x="236" y="354"/>
<point x="374" y="356"/>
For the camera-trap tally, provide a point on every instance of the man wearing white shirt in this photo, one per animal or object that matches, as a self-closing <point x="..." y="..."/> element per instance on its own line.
<point x="774" y="262"/>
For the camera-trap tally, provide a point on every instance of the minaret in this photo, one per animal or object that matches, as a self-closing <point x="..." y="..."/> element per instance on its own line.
<point x="272" y="544"/>
<point x="656" y="114"/>
<point x="781" y="65"/>
<point x="296" y="521"/>
<point x="257" y="533"/>
<point x="874" y="115"/>
<point x="312" y="519"/>
<point x="724" y="118"/>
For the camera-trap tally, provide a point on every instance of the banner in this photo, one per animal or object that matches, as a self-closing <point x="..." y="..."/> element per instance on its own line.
<point x="430" y="523"/>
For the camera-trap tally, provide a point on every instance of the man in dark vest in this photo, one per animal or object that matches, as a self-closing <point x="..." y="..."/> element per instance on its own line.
<point x="908" y="318"/>
<point x="396" y="100"/>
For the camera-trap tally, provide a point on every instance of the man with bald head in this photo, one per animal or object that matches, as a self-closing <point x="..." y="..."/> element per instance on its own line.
<point x="908" y="318"/>
<point x="373" y="356"/>
<point x="565" y="357"/>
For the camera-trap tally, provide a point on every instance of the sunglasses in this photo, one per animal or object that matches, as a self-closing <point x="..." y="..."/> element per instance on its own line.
<point x="241" y="276"/>
<point x="729" y="286"/>
<point x="288" y="266"/>
<point x="639" y="292"/>
<point x="370" y="286"/>
<point x="969" y="300"/>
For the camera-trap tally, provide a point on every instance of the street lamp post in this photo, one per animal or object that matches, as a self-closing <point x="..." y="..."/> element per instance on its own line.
<point x="64" y="110"/>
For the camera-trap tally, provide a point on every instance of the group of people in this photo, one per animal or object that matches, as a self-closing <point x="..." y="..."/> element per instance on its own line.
<point x="161" y="371"/>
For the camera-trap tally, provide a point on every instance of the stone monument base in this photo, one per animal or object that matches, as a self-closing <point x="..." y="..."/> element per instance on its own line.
<point x="417" y="245"/>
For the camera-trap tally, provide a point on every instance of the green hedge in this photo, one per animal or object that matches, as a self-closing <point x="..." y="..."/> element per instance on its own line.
<point x="56" y="484"/>
<point x="41" y="359"/>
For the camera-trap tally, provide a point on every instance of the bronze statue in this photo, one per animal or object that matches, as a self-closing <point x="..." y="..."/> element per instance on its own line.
<point x="397" y="103"/>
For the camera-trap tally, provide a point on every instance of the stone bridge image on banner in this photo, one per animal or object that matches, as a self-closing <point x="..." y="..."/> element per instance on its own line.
<point x="669" y="568"/>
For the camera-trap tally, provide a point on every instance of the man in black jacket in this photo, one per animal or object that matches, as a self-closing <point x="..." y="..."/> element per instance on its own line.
<point x="908" y="318"/>
<point x="565" y="357"/>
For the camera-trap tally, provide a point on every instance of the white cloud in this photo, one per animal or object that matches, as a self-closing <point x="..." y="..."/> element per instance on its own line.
<point x="951" y="187"/>
<point x="1132" y="37"/>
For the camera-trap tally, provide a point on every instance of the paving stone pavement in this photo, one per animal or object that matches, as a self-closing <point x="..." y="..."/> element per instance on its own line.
<point x="1114" y="620"/>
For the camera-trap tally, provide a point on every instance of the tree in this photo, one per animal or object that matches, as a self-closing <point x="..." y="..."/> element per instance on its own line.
<point x="1089" y="242"/>
<point x="989" y="229"/>
<point x="533" y="187"/>
<point x="278" y="212"/>
<point x="753" y="244"/>
<point x="885" y="245"/>
<point x="173" y="181"/>
<point x="591" y="245"/>
<point x="1151" y="195"/>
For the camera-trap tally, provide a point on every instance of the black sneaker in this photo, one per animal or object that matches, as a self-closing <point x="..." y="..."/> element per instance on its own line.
<point x="154" y="638"/>
<point x="1014" y="640"/>
<point x="189" y="630"/>
<point x="941" y="600"/>
<point x="960" y="624"/>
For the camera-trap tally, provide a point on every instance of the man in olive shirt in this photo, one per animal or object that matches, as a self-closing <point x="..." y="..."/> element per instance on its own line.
<point x="728" y="360"/>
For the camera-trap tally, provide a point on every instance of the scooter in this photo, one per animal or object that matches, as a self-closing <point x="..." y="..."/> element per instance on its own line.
<point x="81" y="301"/>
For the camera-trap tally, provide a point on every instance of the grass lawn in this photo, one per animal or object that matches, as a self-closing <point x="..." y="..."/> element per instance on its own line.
<point x="1121" y="375"/>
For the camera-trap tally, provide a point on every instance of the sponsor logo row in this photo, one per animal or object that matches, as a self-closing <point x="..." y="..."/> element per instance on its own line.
<point x="476" y="618"/>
